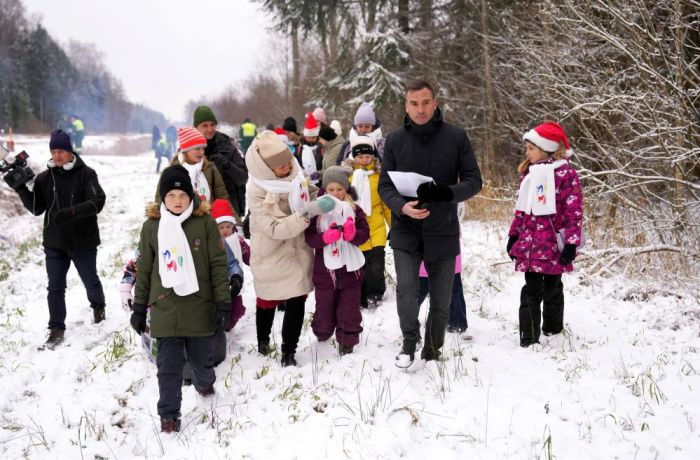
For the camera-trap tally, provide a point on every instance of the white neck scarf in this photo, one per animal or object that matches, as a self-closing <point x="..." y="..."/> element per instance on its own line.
<point x="297" y="188"/>
<point x="360" y="180"/>
<point x="341" y="253"/>
<point x="308" y="160"/>
<point x="199" y="182"/>
<point x="234" y="243"/>
<point x="537" y="192"/>
<point x="175" y="264"/>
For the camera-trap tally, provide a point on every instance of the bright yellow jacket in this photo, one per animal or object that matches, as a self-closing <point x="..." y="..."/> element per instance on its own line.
<point x="380" y="218"/>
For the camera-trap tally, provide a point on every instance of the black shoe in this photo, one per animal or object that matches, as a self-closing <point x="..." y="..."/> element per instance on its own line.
<point x="169" y="425"/>
<point x="204" y="392"/>
<point x="374" y="301"/>
<point x="345" y="350"/>
<point x="404" y="359"/>
<point x="264" y="348"/>
<point x="98" y="314"/>
<point x="550" y="333"/>
<point x="288" y="360"/>
<point x="526" y="343"/>
<point x="55" y="337"/>
<point x="186" y="382"/>
<point x="456" y="329"/>
<point x="429" y="355"/>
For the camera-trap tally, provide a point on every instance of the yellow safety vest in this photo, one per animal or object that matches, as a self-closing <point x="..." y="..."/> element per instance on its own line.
<point x="248" y="129"/>
<point x="78" y="125"/>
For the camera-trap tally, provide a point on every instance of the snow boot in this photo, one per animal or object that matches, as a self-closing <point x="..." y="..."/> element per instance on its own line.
<point x="345" y="350"/>
<point x="264" y="347"/>
<point x="205" y="392"/>
<point x="169" y="426"/>
<point x="98" y="313"/>
<point x="374" y="301"/>
<point x="55" y="338"/>
<point x="288" y="360"/>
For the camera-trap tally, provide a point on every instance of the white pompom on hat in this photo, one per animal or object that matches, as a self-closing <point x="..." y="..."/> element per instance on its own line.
<point x="311" y="127"/>
<point x="549" y="137"/>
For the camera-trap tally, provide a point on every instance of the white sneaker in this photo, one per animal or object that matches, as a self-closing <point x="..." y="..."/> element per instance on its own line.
<point x="404" y="360"/>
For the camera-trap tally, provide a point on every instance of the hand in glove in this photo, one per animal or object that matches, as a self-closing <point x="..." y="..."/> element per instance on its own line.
<point x="332" y="235"/>
<point x="568" y="254"/>
<point x="126" y="295"/>
<point x="430" y="192"/>
<point x="236" y="284"/>
<point x="64" y="215"/>
<point x="509" y="246"/>
<point x="314" y="175"/>
<point x="349" y="229"/>
<point x="138" y="317"/>
<point x="223" y="316"/>
<point x="321" y="206"/>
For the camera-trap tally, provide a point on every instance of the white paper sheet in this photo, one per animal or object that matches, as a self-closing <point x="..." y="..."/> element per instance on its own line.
<point x="407" y="182"/>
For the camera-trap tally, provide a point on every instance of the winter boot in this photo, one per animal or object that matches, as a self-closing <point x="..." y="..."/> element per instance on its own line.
<point x="204" y="392"/>
<point x="264" y="347"/>
<point x="374" y="301"/>
<point x="456" y="329"/>
<point x="345" y="350"/>
<point x="288" y="360"/>
<point x="55" y="338"/>
<point x="405" y="358"/>
<point x="186" y="382"/>
<point x="98" y="313"/>
<point x="169" y="425"/>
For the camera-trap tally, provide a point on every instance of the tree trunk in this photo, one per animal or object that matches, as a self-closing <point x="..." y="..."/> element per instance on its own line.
<point x="489" y="109"/>
<point x="296" y="70"/>
<point x="403" y="16"/>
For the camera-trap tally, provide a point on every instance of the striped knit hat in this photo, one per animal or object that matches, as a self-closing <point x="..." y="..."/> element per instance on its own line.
<point x="190" y="138"/>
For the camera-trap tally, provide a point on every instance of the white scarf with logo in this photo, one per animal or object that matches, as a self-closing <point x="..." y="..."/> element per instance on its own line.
<point x="308" y="160"/>
<point x="175" y="264"/>
<point x="234" y="242"/>
<point x="537" y="194"/>
<point x="341" y="253"/>
<point x="199" y="182"/>
<point x="297" y="188"/>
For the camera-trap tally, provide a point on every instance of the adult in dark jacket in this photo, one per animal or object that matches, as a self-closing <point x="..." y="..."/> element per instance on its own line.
<point x="426" y="228"/>
<point x="221" y="149"/>
<point x="70" y="196"/>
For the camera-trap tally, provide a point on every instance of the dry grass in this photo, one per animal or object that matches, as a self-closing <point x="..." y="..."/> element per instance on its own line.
<point x="491" y="204"/>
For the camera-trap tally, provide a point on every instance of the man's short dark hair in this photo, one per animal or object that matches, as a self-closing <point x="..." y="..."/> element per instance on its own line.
<point x="417" y="85"/>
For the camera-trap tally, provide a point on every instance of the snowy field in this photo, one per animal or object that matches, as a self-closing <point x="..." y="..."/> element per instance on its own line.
<point x="621" y="383"/>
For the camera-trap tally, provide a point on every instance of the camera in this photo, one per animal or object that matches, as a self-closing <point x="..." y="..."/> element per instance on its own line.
<point x="18" y="173"/>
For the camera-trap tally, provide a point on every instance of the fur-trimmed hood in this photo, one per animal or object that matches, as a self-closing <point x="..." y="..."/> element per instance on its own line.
<point x="202" y="208"/>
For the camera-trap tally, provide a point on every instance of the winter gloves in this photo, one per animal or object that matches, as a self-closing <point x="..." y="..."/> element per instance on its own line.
<point x="430" y="192"/>
<point x="568" y="254"/>
<point x="62" y="216"/>
<point x="223" y="316"/>
<point x="138" y="317"/>
<point x="509" y="246"/>
<point x="236" y="283"/>
<point x="321" y="206"/>
<point x="349" y="229"/>
<point x="335" y="232"/>
<point x="332" y="235"/>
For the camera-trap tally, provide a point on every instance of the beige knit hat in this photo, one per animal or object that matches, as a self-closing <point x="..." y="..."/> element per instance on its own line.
<point x="272" y="150"/>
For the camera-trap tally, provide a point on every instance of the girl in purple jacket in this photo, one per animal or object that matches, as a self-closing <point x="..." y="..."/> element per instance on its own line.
<point x="550" y="201"/>
<point x="338" y="262"/>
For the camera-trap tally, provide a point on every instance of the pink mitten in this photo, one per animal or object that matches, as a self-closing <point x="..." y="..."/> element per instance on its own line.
<point x="331" y="235"/>
<point x="349" y="229"/>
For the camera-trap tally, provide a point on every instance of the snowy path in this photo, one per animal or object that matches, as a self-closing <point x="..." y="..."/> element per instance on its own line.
<point x="621" y="384"/>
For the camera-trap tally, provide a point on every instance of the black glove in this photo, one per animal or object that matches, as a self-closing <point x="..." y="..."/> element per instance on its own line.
<point x="246" y="226"/>
<point x="220" y="161"/>
<point x="223" y="316"/>
<point x="430" y="192"/>
<point x="568" y="254"/>
<point x="138" y="317"/>
<point x="236" y="284"/>
<point x="64" y="215"/>
<point x="509" y="246"/>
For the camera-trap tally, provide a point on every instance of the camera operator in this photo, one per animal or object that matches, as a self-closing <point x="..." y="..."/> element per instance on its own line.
<point x="70" y="195"/>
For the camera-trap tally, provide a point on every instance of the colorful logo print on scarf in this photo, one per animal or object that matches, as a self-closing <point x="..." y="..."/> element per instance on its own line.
<point x="172" y="260"/>
<point x="541" y="193"/>
<point x="202" y="193"/>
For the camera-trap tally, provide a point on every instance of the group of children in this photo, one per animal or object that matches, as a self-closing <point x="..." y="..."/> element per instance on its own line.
<point x="187" y="275"/>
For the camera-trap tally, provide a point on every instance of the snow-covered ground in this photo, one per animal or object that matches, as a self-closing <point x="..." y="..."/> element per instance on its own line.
<point x="620" y="384"/>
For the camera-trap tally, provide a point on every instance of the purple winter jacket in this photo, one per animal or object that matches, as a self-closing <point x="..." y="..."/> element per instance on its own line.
<point x="536" y="247"/>
<point x="321" y="275"/>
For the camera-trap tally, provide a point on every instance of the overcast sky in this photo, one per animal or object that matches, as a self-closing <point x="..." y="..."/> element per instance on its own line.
<point x="165" y="52"/>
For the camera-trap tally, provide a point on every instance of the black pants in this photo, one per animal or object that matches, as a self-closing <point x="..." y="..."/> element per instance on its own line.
<point x="546" y="289"/>
<point x="458" y="306"/>
<point x="291" y="324"/>
<point x="57" y="265"/>
<point x="218" y="354"/>
<point x="374" y="284"/>
<point x="170" y="362"/>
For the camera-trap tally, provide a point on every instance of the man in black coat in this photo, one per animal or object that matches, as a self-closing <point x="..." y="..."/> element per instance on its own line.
<point x="70" y="196"/>
<point x="221" y="149"/>
<point x="426" y="228"/>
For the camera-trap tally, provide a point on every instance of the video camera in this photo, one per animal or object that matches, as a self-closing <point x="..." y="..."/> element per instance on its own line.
<point x="18" y="173"/>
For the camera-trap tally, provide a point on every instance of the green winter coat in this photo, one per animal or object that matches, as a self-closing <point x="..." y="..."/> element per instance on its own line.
<point x="193" y="315"/>
<point x="211" y="174"/>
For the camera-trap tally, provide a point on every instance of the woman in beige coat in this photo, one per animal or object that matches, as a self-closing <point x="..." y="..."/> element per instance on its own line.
<point x="281" y="206"/>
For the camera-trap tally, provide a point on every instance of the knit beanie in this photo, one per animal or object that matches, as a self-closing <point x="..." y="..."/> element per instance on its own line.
<point x="290" y="124"/>
<point x="222" y="211"/>
<point x="273" y="151"/>
<point x="362" y="145"/>
<point x="320" y="115"/>
<point x="60" y="140"/>
<point x="327" y="133"/>
<point x="365" y="114"/>
<point x="204" y="113"/>
<point x="175" y="177"/>
<point x="549" y="137"/>
<point x="190" y="138"/>
<point x="338" y="175"/>
<point x="311" y="127"/>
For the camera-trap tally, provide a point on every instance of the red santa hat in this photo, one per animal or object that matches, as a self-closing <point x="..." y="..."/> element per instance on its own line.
<point x="222" y="211"/>
<point x="282" y="134"/>
<point x="311" y="127"/>
<point x="549" y="137"/>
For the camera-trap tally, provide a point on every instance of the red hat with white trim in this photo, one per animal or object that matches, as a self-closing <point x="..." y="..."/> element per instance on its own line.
<point x="222" y="211"/>
<point x="190" y="138"/>
<point x="311" y="127"/>
<point x="549" y="137"/>
<point x="282" y="134"/>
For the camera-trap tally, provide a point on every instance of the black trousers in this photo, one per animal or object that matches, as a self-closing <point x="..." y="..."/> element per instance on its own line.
<point x="374" y="284"/>
<point x="545" y="289"/>
<point x="291" y="324"/>
<point x="57" y="265"/>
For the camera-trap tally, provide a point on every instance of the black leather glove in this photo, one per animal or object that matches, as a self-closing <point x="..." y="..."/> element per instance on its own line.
<point x="246" y="226"/>
<point x="430" y="192"/>
<point x="509" y="246"/>
<point x="223" y="316"/>
<point x="64" y="215"/>
<point x="220" y="161"/>
<point x="236" y="284"/>
<point x="568" y="254"/>
<point x="138" y="317"/>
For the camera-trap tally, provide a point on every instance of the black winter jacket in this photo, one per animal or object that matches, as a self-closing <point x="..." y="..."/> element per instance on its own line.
<point x="443" y="152"/>
<point x="221" y="150"/>
<point x="58" y="188"/>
